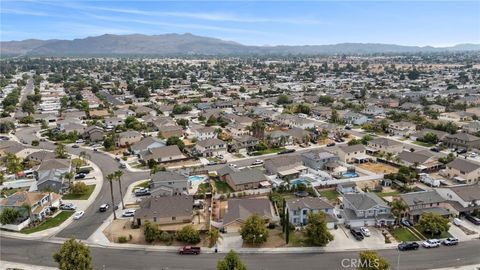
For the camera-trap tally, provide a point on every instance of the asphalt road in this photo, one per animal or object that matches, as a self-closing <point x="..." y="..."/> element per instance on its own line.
<point x="27" y="90"/>
<point x="40" y="253"/>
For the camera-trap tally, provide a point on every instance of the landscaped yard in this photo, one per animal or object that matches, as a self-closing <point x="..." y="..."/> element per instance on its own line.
<point x="49" y="223"/>
<point x="268" y="151"/>
<point x="331" y="195"/>
<point x="424" y="144"/>
<point x="8" y="192"/>
<point x="428" y="236"/>
<point x="203" y="188"/>
<point x="387" y="194"/>
<point x="222" y="187"/>
<point x="84" y="196"/>
<point x="144" y="184"/>
<point x="404" y="235"/>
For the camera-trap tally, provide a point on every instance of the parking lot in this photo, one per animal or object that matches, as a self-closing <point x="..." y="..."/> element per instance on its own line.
<point x="345" y="240"/>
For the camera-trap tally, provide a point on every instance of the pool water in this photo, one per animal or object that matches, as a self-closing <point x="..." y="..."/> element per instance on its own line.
<point x="299" y="181"/>
<point x="350" y="174"/>
<point x="196" y="178"/>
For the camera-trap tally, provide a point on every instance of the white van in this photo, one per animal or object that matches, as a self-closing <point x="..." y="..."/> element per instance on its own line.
<point x="457" y="222"/>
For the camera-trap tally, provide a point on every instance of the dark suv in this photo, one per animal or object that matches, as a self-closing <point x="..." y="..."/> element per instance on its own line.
<point x="357" y="233"/>
<point x="473" y="219"/>
<point x="408" y="246"/>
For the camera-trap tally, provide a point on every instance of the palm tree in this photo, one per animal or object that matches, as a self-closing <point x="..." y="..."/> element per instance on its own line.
<point x="84" y="155"/>
<point x="398" y="208"/>
<point x="69" y="177"/>
<point x="110" y="179"/>
<point x="118" y="175"/>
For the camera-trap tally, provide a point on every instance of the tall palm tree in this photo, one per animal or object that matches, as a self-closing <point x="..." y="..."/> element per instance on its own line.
<point x="69" y="176"/>
<point x="118" y="175"/>
<point x="398" y="208"/>
<point x="110" y="179"/>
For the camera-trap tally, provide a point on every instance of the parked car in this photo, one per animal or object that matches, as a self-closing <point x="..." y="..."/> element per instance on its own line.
<point x="286" y="151"/>
<point x="357" y="233"/>
<point x="75" y="146"/>
<point x="331" y="144"/>
<point x="79" y="141"/>
<point x="431" y="243"/>
<point x="142" y="192"/>
<point x="405" y="222"/>
<point x="104" y="207"/>
<point x="457" y="222"/>
<point x="451" y="241"/>
<point x="462" y="151"/>
<point x="189" y="250"/>
<point x="123" y="166"/>
<point x="78" y="215"/>
<point x="408" y="246"/>
<point x="365" y="231"/>
<point x="67" y="206"/>
<point x="212" y="163"/>
<point x="80" y="176"/>
<point x="129" y="213"/>
<point x="257" y="162"/>
<point x="434" y="149"/>
<point x="473" y="219"/>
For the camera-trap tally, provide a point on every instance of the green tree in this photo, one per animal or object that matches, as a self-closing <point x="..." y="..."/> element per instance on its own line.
<point x="433" y="223"/>
<point x="370" y="260"/>
<point x="398" y="208"/>
<point x="430" y="138"/>
<point x="151" y="231"/>
<point x="9" y="215"/>
<point x="13" y="163"/>
<point x="176" y="141"/>
<point x="188" y="234"/>
<point x="316" y="230"/>
<point x="28" y="107"/>
<point x="6" y="126"/>
<point x="61" y="151"/>
<point x="73" y="255"/>
<point x="110" y="178"/>
<point x="231" y="261"/>
<point x="79" y="188"/>
<point x="118" y="177"/>
<point x="254" y="230"/>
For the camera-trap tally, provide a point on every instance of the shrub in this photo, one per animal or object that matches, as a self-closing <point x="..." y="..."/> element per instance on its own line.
<point x="151" y="232"/>
<point x="35" y="143"/>
<point x="79" y="188"/>
<point x="188" y="235"/>
<point x="165" y="237"/>
<point x="271" y="225"/>
<point x="122" y="239"/>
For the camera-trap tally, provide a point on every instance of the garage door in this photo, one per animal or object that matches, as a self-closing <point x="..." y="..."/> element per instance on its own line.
<point x="356" y="223"/>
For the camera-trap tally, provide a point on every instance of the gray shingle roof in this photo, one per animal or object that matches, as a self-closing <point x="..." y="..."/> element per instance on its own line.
<point x="463" y="165"/>
<point x="241" y="209"/>
<point x="167" y="176"/>
<point x="310" y="203"/>
<point x="364" y="201"/>
<point x="247" y="176"/>
<point x="422" y="197"/>
<point x="162" y="207"/>
<point x="467" y="192"/>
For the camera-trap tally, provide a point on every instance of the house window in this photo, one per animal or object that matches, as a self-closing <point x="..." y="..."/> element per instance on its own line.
<point x="174" y="218"/>
<point x="154" y="219"/>
<point x="305" y="212"/>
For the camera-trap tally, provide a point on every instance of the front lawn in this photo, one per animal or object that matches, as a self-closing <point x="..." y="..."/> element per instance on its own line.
<point x="387" y="194"/>
<point x="49" y="223"/>
<point x="428" y="236"/>
<point x="145" y="184"/>
<point x="84" y="196"/>
<point x="331" y="195"/>
<point x="222" y="187"/>
<point x="268" y="151"/>
<point x="424" y="144"/>
<point x="404" y="235"/>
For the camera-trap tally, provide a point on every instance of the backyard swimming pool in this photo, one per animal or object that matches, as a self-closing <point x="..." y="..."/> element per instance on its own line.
<point x="196" y="178"/>
<point x="349" y="174"/>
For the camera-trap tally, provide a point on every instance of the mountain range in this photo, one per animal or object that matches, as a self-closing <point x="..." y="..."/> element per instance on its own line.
<point x="188" y="44"/>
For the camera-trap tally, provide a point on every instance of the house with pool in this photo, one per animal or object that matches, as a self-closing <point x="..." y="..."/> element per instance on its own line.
<point x="166" y="183"/>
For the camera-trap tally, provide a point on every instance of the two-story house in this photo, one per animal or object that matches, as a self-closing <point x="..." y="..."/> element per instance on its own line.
<point x="462" y="141"/>
<point x="384" y="145"/>
<point x="352" y="153"/>
<point x="320" y="160"/>
<point x="205" y="133"/>
<point x="299" y="208"/>
<point x="366" y="209"/>
<point x="128" y="138"/>
<point x="167" y="183"/>
<point x="401" y="128"/>
<point x="211" y="147"/>
<point x="422" y="202"/>
<point x="463" y="171"/>
<point x="464" y="199"/>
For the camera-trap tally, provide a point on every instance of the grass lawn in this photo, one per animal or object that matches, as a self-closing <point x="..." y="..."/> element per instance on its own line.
<point x="403" y="234"/>
<point x="203" y="188"/>
<point x="268" y="151"/>
<point x="428" y="236"/>
<point x="8" y="192"/>
<point x="386" y="194"/>
<point x="49" y="223"/>
<point x="144" y="184"/>
<point x="237" y="155"/>
<point x="424" y="144"/>
<point x="222" y="187"/>
<point x="80" y="196"/>
<point x="331" y="195"/>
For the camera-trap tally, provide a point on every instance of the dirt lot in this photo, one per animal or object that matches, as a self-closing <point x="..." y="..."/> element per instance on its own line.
<point x="276" y="239"/>
<point x="378" y="167"/>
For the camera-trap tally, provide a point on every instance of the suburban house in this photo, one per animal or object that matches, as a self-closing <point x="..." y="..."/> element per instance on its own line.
<point x="458" y="116"/>
<point x="171" y="131"/>
<point x="50" y="174"/>
<point x="211" y="147"/>
<point x="41" y="155"/>
<point x="422" y="161"/>
<point x="384" y="145"/>
<point x="38" y="202"/>
<point x="421" y="133"/>
<point x="472" y="127"/>
<point x="424" y="202"/>
<point x="366" y="209"/>
<point x="285" y="167"/>
<point x="146" y="144"/>
<point x="246" y="179"/>
<point x="463" y="171"/>
<point x="236" y="129"/>
<point x="279" y="138"/>
<point x="373" y="110"/>
<point x="166" y="183"/>
<point x="402" y="128"/>
<point x="352" y="153"/>
<point x="463" y="199"/>
<point x="205" y="133"/>
<point x="128" y="138"/>
<point x="299" y="208"/>
<point x="320" y="160"/>
<point x="94" y="134"/>
<point x="244" y="142"/>
<point x="353" y="118"/>
<point x="238" y="210"/>
<point x="112" y="122"/>
<point x="462" y="140"/>
<point x="301" y="123"/>
<point x="163" y="154"/>
<point x="165" y="210"/>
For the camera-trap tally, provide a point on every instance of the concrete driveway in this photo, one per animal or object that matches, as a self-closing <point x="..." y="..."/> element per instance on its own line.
<point x="345" y="241"/>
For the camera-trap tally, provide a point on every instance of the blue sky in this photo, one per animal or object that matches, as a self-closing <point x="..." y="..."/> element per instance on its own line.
<point x="441" y="23"/>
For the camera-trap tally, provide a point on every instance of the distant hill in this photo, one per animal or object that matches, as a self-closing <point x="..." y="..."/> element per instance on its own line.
<point x="188" y="44"/>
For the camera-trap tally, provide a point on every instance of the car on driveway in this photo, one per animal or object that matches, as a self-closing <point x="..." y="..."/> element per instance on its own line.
<point x="142" y="192"/>
<point x="129" y="213"/>
<point x="406" y="222"/>
<point x="451" y="241"/>
<point x="365" y="231"/>
<point x="330" y="144"/>
<point x="473" y="219"/>
<point x="75" y="146"/>
<point x="67" y="206"/>
<point x="286" y="151"/>
<point x="408" y="246"/>
<point x="431" y="243"/>
<point x="80" y="176"/>
<point x="78" y="215"/>
<point x="357" y="233"/>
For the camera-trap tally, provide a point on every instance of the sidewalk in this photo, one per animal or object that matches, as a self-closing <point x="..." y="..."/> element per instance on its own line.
<point x="13" y="265"/>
